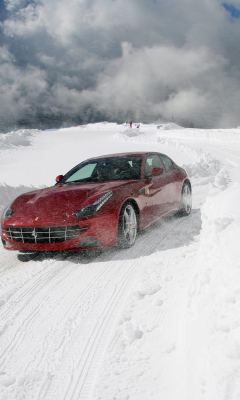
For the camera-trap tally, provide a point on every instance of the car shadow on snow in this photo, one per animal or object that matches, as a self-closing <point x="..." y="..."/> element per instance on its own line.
<point x="168" y="233"/>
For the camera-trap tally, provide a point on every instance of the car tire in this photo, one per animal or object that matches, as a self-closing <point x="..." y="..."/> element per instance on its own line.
<point x="186" y="200"/>
<point x="127" y="226"/>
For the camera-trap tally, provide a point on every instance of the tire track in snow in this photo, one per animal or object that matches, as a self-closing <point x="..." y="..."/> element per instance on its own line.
<point x="80" y="386"/>
<point x="54" y="286"/>
<point x="26" y="309"/>
<point x="31" y="300"/>
<point x="35" y="299"/>
<point x="90" y="351"/>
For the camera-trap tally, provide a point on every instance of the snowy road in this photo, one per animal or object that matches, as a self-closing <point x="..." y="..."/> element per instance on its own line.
<point x="134" y="324"/>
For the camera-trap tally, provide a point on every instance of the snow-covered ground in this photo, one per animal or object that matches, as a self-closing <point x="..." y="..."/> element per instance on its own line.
<point x="159" y="321"/>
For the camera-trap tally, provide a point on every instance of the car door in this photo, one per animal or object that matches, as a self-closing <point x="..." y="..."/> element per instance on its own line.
<point x="173" y="182"/>
<point x="154" y="191"/>
<point x="160" y="190"/>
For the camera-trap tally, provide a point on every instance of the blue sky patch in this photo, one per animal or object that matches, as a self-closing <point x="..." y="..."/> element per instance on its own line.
<point x="3" y="12"/>
<point x="233" y="11"/>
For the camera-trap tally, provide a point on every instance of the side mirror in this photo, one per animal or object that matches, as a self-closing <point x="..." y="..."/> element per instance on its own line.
<point x="157" y="171"/>
<point x="58" y="178"/>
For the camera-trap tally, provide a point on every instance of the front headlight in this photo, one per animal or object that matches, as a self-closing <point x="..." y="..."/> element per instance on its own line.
<point x="8" y="212"/>
<point x="91" y="209"/>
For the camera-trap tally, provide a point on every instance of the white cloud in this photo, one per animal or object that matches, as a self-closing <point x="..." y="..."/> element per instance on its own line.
<point x="122" y="57"/>
<point x="13" y="5"/>
<point x="160" y="81"/>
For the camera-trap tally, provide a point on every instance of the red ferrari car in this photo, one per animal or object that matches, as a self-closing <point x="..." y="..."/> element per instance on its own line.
<point x="101" y="202"/>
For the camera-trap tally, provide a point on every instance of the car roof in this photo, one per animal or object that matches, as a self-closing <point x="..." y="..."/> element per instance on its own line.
<point x="128" y="154"/>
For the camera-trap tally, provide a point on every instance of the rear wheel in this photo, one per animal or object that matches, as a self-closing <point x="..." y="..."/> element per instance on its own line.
<point x="127" y="227"/>
<point x="186" y="201"/>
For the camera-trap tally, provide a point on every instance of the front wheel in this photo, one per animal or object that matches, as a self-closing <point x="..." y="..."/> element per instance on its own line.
<point x="127" y="227"/>
<point x="186" y="200"/>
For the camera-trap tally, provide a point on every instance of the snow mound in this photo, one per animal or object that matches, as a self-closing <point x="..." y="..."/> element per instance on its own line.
<point x="222" y="135"/>
<point x="214" y="297"/>
<point x="104" y="125"/>
<point x="132" y="132"/>
<point x="130" y="333"/>
<point x="169" y="126"/>
<point x="6" y="379"/>
<point x="9" y="193"/>
<point x="16" y="138"/>
<point x="207" y="170"/>
<point x="147" y="288"/>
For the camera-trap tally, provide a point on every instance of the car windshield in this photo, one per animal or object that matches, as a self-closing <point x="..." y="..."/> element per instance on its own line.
<point x="105" y="169"/>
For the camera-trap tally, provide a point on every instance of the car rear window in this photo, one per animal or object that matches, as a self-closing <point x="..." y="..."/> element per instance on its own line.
<point x="167" y="162"/>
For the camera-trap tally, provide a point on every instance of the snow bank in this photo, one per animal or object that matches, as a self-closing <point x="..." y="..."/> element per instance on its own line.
<point x="231" y="135"/>
<point x="178" y="335"/>
<point x="166" y="132"/>
<point x="104" y="125"/>
<point x="9" y="193"/>
<point x="169" y="126"/>
<point x="207" y="170"/>
<point x="204" y="169"/>
<point x="16" y="138"/>
<point x="133" y="132"/>
<point x="213" y="326"/>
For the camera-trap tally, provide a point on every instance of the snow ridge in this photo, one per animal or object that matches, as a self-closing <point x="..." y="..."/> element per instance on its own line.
<point x="21" y="137"/>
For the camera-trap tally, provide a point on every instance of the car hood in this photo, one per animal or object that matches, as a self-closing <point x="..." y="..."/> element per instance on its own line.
<point x="58" y="203"/>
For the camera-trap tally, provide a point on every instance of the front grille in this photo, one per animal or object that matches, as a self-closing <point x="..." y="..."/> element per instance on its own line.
<point x="43" y="235"/>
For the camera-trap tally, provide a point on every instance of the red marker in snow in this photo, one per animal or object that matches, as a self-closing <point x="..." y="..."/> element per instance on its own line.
<point x="130" y="123"/>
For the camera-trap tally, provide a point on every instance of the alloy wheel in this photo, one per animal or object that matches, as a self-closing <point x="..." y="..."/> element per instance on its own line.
<point x="186" y="200"/>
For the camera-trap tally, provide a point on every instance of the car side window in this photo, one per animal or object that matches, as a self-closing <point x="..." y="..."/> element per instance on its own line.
<point x="153" y="161"/>
<point x="167" y="163"/>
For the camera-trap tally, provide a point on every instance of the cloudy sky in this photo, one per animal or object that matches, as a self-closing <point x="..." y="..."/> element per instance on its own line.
<point x="65" y="62"/>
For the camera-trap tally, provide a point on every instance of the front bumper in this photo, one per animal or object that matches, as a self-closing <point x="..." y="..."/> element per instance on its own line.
<point x="90" y="233"/>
